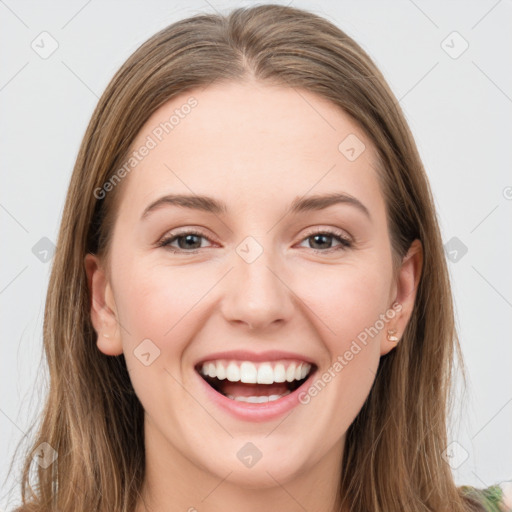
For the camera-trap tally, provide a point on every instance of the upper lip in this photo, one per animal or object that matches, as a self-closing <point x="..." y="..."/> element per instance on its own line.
<point x="244" y="355"/>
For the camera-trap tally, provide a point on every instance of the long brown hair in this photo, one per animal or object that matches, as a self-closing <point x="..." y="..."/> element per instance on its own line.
<point x="393" y="458"/>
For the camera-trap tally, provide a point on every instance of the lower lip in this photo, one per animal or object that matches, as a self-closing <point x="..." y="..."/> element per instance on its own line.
<point x="256" y="412"/>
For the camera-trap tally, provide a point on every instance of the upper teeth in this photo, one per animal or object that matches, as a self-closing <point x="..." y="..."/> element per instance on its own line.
<point x="256" y="373"/>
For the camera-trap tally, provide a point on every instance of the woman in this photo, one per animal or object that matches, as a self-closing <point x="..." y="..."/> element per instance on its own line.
<point x="259" y="368"/>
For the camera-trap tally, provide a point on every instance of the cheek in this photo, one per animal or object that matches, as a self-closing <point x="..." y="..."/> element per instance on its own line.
<point x="155" y="301"/>
<point x="348" y="304"/>
<point x="347" y="299"/>
<point x="163" y="302"/>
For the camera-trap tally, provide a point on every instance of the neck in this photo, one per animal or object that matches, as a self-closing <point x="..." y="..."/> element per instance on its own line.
<point x="174" y="482"/>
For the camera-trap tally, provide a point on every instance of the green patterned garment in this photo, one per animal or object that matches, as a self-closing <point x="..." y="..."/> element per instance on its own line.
<point x="491" y="497"/>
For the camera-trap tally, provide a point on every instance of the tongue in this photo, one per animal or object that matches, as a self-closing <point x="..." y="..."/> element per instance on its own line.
<point x="241" y="389"/>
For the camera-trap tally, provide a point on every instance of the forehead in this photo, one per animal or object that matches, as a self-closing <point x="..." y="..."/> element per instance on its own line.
<point x="251" y="139"/>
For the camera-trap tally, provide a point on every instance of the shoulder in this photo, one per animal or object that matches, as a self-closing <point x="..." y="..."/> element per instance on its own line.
<point x="495" y="498"/>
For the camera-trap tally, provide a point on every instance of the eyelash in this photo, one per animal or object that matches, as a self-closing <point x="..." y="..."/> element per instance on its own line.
<point x="345" y="243"/>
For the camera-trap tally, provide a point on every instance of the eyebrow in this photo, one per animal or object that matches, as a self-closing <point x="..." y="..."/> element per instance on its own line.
<point x="298" y="205"/>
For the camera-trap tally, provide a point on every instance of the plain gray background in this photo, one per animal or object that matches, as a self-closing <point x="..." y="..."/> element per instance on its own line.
<point x="458" y="102"/>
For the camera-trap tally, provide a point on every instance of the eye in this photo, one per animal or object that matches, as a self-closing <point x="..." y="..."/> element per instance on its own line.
<point x="325" y="237"/>
<point x="187" y="241"/>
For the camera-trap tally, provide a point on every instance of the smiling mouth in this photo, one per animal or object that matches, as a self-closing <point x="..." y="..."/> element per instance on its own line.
<point x="245" y="381"/>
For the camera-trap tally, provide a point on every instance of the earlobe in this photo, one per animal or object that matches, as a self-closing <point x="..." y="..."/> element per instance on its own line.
<point x="408" y="279"/>
<point x="102" y="307"/>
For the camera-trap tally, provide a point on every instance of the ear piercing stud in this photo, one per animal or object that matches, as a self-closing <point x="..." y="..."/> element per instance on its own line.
<point x="391" y="335"/>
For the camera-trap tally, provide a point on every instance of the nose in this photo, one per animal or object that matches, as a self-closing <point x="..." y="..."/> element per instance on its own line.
<point x="257" y="293"/>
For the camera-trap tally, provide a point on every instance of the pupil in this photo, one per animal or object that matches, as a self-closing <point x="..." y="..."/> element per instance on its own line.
<point x="188" y="238"/>
<point x="315" y="237"/>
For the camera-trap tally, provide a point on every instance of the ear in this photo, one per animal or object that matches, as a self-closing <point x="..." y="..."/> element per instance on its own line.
<point x="406" y="288"/>
<point x="103" y="308"/>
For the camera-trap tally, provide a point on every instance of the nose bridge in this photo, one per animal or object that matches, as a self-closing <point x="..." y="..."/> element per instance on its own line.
<point x="256" y="294"/>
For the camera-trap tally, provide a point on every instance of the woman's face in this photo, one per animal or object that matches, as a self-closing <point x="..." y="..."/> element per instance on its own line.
<point x="260" y="291"/>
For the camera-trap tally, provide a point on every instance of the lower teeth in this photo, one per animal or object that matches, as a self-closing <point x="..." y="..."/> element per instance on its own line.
<point x="257" y="399"/>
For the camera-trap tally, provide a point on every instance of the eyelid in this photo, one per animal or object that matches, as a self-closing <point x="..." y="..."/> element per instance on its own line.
<point x="173" y="234"/>
<point x="330" y="231"/>
<point x="348" y="240"/>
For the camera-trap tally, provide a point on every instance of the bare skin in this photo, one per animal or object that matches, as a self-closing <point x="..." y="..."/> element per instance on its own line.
<point x="256" y="148"/>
